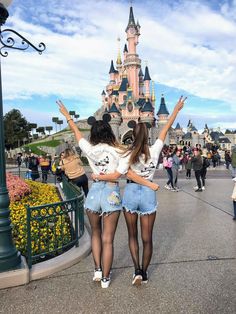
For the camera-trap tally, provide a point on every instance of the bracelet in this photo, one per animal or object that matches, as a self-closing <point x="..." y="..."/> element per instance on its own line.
<point x="69" y="120"/>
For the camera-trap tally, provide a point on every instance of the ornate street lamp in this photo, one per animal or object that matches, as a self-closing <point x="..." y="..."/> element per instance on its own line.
<point x="9" y="39"/>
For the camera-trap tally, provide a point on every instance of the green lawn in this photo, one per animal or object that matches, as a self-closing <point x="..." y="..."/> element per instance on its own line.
<point x="34" y="147"/>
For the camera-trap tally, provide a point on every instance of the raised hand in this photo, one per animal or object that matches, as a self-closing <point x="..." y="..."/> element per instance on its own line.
<point x="63" y="109"/>
<point x="180" y="103"/>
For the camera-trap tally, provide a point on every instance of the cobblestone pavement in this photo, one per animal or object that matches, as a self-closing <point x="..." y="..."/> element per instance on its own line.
<point x="193" y="268"/>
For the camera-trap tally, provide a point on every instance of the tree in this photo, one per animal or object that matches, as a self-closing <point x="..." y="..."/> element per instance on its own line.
<point x="76" y="116"/>
<point x="72" y="113"/>
<point x="16" y="128"/>
<point x="60" y="122"/>
<point x="49" y="129"/>
<point x="41" y="130"/>
<point x="54" y="120"/>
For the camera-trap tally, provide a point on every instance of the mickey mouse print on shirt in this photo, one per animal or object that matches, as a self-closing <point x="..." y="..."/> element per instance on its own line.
<point x="103" y="158"/>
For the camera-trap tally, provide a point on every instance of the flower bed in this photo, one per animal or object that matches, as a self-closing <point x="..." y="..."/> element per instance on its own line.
<point x="17" y="187"/>
<point x="46" y="234"/>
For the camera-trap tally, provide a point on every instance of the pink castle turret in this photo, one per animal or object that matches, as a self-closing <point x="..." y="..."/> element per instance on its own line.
<point x="128" y="95"/>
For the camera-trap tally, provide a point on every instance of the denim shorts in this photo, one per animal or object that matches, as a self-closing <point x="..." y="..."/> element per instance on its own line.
<point x="103" y="198"/>
<point x="139" y="199"/>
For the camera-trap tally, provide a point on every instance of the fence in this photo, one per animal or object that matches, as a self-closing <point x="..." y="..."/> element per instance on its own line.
<point x="54" y="228"/>
<point x="27" y="174"/>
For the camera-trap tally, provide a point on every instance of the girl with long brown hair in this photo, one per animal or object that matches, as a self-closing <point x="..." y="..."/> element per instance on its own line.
<point x="103" y="202"/>
<point x="138" y="200"/>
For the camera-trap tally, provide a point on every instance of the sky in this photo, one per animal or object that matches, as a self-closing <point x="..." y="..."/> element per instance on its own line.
<point x="189" y="46"/>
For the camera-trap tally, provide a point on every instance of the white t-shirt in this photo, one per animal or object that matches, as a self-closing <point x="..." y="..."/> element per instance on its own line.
<point x="103" y="158"/>
<point x="147" y="169"/>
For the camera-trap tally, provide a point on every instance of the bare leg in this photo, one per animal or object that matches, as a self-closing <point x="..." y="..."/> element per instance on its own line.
<point x="131" y="222"/>
<point x="109" y="228"/>
<point x="96" y="240"/>
<point x="147" y="223"/>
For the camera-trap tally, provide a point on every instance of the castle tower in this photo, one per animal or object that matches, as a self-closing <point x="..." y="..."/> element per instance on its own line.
<point x="147" y="80"/>
<point x="153" y="97"/>
<point x="147" y="116"/>
<point x="141" y="83"/>
<point x="162" y="115"/>
<point x="115" y="119"/>
<point x="112" y="73"/>
<point x="132" y="63"/>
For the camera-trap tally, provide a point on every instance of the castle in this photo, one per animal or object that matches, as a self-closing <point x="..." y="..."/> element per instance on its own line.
<point x="130" y="95"/>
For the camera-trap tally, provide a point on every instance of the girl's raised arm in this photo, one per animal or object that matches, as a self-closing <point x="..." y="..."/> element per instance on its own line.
<point x="69" y="120"/>
<point x="171" y="120"/>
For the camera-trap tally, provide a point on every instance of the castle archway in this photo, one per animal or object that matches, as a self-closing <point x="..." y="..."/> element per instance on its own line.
<point x="127" y="137"/>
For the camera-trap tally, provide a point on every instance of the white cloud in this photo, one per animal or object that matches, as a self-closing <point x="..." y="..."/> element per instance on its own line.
<point x="188" y="45"/>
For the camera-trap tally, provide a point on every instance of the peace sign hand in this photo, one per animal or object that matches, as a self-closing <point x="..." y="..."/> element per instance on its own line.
<point x="63" y="109"/>
<point x="180" y="103"/>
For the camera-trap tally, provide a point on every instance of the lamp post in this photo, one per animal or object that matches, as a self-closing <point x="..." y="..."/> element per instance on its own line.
<point x="9" y="256"/>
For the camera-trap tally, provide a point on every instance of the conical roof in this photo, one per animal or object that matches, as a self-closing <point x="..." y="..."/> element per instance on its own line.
<point x="112" y="69"/>
<point x="114" y="108"/>
<point x="147" y="106"/>
<point x="162" y="108"/>
<point x="147" y="75"/>
<point x="178" y="126"/>
<point x="124" y="84"/>
<point x="131" y="22"/>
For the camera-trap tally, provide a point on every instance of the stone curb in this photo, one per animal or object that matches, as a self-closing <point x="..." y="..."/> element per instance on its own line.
<point x="64" y="260"/>
<point x="15" y="277"/>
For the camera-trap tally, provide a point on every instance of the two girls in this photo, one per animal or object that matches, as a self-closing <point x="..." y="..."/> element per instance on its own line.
<point x="103" y="202"/>
<point x="138" y="200"/>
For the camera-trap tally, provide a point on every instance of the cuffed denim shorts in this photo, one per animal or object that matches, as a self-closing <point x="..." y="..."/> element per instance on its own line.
<point x="139" y="199"/>
<point x="103" y="198"/>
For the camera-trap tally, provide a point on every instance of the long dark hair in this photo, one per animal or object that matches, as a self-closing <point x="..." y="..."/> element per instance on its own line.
<point x="140" y="143"/>
<point x="101" y="132"/>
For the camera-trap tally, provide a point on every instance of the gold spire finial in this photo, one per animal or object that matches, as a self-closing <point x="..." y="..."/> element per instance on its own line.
<point x="153" y="92"/>
<point x="118" y="60"/>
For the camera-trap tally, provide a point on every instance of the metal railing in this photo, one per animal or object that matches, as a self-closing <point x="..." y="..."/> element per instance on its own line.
<point x="26" y="174"/>
<point x="70" y="191"/>
<point x="54" y="228"/>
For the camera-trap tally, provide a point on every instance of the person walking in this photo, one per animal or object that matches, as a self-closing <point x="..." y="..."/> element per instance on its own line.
<point x="33" y="166"/>
<point x="45" y="166"/>
<point x="167" y="164"/>
<point x="205" y="165"/>
<point x="175" y="167"/>
<point x="72" y="165"/>
<point x="227" y="159"/>
<point x="188" y="166"/>
<point x="140" y="201"/>
<point x="234" y="199"/>
<point x="233" y="162"/>
<point x="103" y="202"/>
<point x="197" y="167"/>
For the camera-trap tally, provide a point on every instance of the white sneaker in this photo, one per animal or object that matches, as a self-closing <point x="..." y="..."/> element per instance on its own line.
<point x="203" y="188"/>
<point x="195" y="187"/>
<point x="97" y="276"/>
<point x="167" y="187"/>
<point x="137" y="278"/>
<point x="105" y="282"/>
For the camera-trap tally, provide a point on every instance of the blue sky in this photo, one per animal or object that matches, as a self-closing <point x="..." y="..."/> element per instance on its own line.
<point x="190" y="47"/>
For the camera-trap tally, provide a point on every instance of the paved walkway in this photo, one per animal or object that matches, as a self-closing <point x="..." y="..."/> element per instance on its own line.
<point x="193" y="269"/>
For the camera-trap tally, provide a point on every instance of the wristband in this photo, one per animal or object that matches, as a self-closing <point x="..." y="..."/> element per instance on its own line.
<point x="69" y="120"/>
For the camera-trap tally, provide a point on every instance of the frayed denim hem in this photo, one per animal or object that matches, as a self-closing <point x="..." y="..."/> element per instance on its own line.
<point x="93" y="211"/>
<point x="101" y="214"/>
<point x="138" y="212"/>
